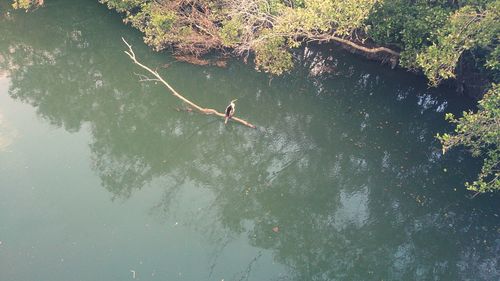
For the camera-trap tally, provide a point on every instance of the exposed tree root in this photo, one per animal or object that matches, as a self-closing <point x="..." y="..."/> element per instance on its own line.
<point x="382" y="54"/>
<point x="365" y="49"/>
<point x="158" y="78"/>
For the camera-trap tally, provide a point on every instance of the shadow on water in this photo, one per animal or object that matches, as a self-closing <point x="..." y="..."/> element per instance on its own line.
<point x="343" y="179"/>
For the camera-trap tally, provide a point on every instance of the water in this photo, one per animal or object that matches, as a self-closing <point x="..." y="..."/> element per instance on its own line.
<point x="102" y="178"/>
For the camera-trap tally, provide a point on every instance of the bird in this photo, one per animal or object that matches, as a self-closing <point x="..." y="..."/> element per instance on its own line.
<point x="229" y="112"/>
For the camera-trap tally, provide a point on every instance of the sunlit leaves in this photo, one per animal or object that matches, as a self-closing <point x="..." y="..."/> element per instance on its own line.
<point x="480" y="132"/>
<point x="469" y="27"/>
<point x="271" y="55"/>
<point x="269" y="28"/>
<point x="123" y="5"/>
<point x="231" y="31"/>
<point x="329" y="17"/>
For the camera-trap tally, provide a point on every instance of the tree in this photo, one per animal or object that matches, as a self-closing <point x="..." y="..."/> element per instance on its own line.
<point x="268" y="28"/>
<point x="470" y="27"/>
<point x="480" y="132"/>
<point x="430" y="35"/>
<point x="407" y="25"/>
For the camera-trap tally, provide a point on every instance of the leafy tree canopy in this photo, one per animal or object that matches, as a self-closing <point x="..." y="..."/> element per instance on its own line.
<point x="470" y="27"/>
<point x="430" y="36"/>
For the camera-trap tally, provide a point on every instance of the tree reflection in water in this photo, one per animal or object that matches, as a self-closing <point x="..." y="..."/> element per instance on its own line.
<point x="351" y="176"/>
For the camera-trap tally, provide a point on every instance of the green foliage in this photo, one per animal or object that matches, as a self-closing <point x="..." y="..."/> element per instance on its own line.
<point x="231" y="31"/>
<point x="407" y="25"/>
<point x="297" y="3"/>
<point x="428" y="33"/>
<point x="319" y="17"/>
<point x="403" y="23"/>
<point x="123" y="5"/>
<point x="154" y="22"/>
<point x="480" y="132"/>
<point x="468" y="28"/>
<point x="271" y="7"/>
<point x="162" y="20"/>
<point x="272" y="56"/>
<point x="269" y="28"/>
<point x="493" y="60"/>
<point x="431" y="35"/>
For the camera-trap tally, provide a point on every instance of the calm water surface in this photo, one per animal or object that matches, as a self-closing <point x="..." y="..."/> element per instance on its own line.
<point x="101" y="177"/>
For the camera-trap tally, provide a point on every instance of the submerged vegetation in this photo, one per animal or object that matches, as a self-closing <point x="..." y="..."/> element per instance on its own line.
<point x="432" y="37"/>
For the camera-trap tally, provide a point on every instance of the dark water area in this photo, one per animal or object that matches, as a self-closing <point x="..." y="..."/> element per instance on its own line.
<point x="103" y="177"/>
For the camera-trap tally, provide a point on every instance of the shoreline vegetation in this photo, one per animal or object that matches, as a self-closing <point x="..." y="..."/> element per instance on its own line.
<point x="449" y="41"/>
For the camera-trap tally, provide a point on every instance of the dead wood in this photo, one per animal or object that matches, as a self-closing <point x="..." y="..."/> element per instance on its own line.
<point x="158" y="78"/>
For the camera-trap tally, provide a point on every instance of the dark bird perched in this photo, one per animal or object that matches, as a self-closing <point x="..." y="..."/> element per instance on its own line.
<point x="229" y="112"/>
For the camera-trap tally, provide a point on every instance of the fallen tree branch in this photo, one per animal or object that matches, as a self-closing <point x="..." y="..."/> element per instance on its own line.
<point x="208" y="111"/>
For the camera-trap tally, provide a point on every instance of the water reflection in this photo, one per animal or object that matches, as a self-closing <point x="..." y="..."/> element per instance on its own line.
<point x="344" y="162"/>
<point x="7" y="133"/>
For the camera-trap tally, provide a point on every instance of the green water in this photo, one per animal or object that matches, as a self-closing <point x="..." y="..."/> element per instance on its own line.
<point x="101" y="177"/>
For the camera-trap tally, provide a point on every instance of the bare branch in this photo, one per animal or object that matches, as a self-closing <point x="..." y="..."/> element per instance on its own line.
<point x="208" y="111"/>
